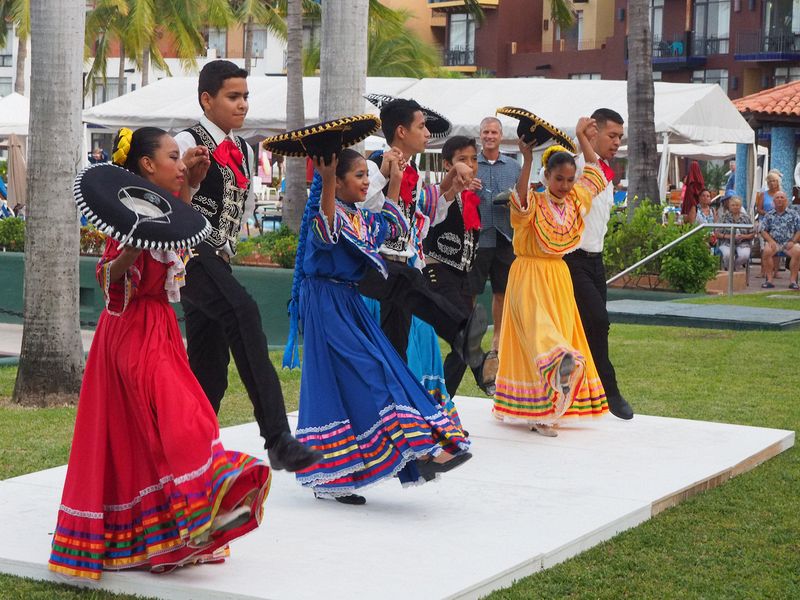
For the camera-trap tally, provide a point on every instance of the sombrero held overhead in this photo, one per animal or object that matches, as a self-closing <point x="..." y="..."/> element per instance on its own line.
<point x="535" y="129"/>
<point x="323" y="139"/>
<point x="134" y="211"/>
<point x="438" y="125"/>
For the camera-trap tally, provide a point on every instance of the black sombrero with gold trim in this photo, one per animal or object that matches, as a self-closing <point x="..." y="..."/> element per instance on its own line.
<point x="438" y="125"/>
<point x="134" y="211"/>
<point x="535" y="129"/>
<point x="323" y="139"/>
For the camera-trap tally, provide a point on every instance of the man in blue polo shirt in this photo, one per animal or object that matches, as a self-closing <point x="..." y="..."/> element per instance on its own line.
<point x="497" y="174"/>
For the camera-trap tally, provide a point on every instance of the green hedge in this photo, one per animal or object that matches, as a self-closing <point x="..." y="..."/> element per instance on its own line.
<point x="686" y="268"/>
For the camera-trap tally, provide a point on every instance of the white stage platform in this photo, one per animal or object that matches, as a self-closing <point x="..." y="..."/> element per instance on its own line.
<point x="522" y="504"/>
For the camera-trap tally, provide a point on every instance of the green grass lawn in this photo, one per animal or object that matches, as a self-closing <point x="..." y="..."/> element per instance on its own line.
<point x="775" y="298"/>
<point x="740" y="540"/>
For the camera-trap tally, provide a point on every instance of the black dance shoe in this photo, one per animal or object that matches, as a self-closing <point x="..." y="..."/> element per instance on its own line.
<point x="287" y="453"/>
<point x="468" y="341"/>
<point x="488" y="373"/>
<point x="352" y="499"/>
<point x="619" y="407"/>
<point x="428" y="468"/>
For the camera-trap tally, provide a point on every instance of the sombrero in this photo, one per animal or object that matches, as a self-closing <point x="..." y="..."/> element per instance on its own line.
<point x="323" y="139"/>
<point x="535" y="129"/>
<point x="438" y="125"/>
<point x="135" y="212"/>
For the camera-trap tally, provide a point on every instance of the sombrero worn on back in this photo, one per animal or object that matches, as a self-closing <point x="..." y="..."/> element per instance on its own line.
<point x="135" y="212"/>
<point x="438" y="125"/>
<point x="535" y="129"/>
<point x="323" y="139"/>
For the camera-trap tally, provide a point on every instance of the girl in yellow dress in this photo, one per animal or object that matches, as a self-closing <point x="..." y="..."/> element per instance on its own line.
<point x="546" y="369"/>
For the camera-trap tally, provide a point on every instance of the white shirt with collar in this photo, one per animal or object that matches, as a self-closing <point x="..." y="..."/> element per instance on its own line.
<point x="185" y="141"/>
<point x="597" y="219"/>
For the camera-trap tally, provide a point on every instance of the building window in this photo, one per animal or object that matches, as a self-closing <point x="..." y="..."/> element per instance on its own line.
<point x="259" y="41"/>
<point x="460" y="40"/>
<point x="712" y="27"/>
<point x="656" y="18"/>
<point x="105" y="91"/>
<point x="6" y="54"/>
<point x="786" y="75"/>
<point x="719" y="76"/>
<point x="218" y="40"/>
<point x="585" y="76"/>
<point x="5" y="86"/>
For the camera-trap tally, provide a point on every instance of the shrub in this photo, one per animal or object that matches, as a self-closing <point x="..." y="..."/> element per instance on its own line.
<point x="12" y="234"/>
<point x="92" y="241"/>
<point x="278" y="246"/>
<point x="687" y="267"/>
<point x="284" y="251"/>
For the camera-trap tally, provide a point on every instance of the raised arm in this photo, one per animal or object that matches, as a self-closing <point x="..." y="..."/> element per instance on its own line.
<point x="525" y="173"/>
<point x="328" y="200"/>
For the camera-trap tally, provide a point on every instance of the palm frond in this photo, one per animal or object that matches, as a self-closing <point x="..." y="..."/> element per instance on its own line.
<point x="561" y="13"/>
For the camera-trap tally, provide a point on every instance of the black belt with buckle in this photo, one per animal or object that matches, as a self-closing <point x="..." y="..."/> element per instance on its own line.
<point x="586" y="254"/>
<point x="205" y="250"/>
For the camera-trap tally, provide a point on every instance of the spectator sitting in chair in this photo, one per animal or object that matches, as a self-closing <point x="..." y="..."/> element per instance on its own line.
<point x="742" y="238"/>
<point x="780" y="229"/>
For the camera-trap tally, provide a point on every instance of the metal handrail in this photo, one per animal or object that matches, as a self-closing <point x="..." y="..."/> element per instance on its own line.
<point x="676" y="241"/>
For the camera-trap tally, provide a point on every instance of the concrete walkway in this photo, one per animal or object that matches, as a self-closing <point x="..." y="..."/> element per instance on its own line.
<point x="11" y="339"/>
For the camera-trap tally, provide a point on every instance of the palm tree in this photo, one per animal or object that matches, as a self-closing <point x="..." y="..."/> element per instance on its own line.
<point x="343" y="58"/>
<point x="295" y="198"/>
<point x="18" y="14"/>
<point x="642" y="150"/>
<point x="51" y="361"/>
<point x="394" y="50"/>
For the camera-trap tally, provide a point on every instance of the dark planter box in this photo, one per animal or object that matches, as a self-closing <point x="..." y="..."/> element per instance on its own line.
<point x="270" y="287"/>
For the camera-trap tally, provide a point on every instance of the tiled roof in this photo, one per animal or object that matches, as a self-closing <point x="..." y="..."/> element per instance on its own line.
<point x="783" y="100"/>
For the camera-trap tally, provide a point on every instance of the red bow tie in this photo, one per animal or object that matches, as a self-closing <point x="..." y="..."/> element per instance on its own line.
<point x="607" y="171"/>
<point x="228" y="155"/>
<point x="470" y="201"/>
<point x="408" y="184"/>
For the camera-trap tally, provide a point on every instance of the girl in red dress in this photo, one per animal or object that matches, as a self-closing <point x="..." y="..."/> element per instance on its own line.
<point x="148" y="484"/>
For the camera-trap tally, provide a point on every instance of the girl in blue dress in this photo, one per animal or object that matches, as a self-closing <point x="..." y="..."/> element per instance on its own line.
<point x="360" y="405"/>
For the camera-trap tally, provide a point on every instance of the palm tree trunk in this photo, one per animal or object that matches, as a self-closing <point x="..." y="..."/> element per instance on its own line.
<point x="51" y="362"/>
<point x="22" y="55"/>
<point x="248" y="44"/>
<point x="642" y="150"/>
<point x="146" y="66"/>
<point x="295" y="200"/>
<point x="121" y="72"/>
<point x="343" y="58"/>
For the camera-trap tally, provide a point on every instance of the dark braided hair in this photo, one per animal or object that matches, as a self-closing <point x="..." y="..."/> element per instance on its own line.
<point x="144" y="142"/>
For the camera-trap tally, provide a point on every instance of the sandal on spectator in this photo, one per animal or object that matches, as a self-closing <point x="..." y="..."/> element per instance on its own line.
<point x="767" y="285"/>
<point x="794" y="286"/>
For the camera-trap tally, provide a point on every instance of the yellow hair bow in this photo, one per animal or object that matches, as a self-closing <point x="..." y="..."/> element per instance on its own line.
<point x="550" y="151"/>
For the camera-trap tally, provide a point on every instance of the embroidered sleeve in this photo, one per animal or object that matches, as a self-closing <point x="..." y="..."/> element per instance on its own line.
<point x="591" y="183"/>
<point x="118" y="294"/>
<point x="430" y="202"/>
<point x="520" y="216"/>
<point x="395" y="221"/>
<point x="323" y="232"/>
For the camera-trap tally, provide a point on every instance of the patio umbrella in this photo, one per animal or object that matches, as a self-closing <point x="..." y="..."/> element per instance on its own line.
<point x="17" y="172"/>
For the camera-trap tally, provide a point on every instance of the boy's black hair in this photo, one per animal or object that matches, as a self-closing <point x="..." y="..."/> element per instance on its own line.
<point x="213" y="76"/>
<point x="395" y="113"/>
<point x="456" y="143"/>
<point x="604" y="115"/>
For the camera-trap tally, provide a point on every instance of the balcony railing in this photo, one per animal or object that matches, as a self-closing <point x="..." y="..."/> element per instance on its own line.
<point x="670" y="47"/>
<point x="707" y="46"/>
<point x="784" y="44"/>
<point x="673" y="52"/>
<point x="572" y="45"/>
<point x="459" y="57"/>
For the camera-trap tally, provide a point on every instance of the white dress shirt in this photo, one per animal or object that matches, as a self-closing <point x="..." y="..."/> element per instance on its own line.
<point x="597" y="219"/>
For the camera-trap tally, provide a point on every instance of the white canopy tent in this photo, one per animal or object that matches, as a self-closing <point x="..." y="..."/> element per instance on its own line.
<point x="14" y="114"/>
<point x="684" y="112"/>
<point x="171" y="103"/>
